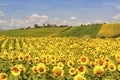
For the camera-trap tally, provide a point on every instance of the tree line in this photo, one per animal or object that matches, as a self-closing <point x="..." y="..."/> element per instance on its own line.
<point x="45" y="26"/>
<point x="54" y="25"/>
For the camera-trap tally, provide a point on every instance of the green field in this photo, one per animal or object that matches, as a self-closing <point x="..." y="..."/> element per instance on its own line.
<point x="90" y="30"/>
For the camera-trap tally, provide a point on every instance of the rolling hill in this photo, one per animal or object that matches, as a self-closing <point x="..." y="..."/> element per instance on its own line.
<point x="109" y="31"/>
<point x="90" y="30"/>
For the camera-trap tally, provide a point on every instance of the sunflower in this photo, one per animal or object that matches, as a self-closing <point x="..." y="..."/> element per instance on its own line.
<point x="15" y="70"/>
<point x="6" y="54"/>
<point x="20" y="57"/>
<point x="98" y="71"/>
<point x="58" y="71"/>
<point x="111" y="67"/>
<point x="101" y="56"/>
<point x="53" y="62"/>
<point x="70" y="63"/>
<point x="30" y="60"/>
<point x="47" y="62"/>
<point x="117" y="56"/>
<point x="81" y="69"/>
<point x="23" y="70"/>
<point x="53" y="57"/>
<point x="10" y="58"/>
<point x="27" y="56"/>
<point x="72" y="71"/>
<point x="79" y="77"/>
<point x="101" y="63"/>
<point x="16" y="58"/>
<point x="21" y="67"/>
<point x="3" y="76"/>
<point x="107" y="59"/>
<point x="63" y="60"/>
<point x="118" y="61"/>
<point x="36" y="59"/>
<point x="118" y="67"/>
<point x="41" y="68"/>
<point x="92" y="64"/>
<point x="34" y="69"/>
<point x="79" y="61"/>
<point x="84" y="59"/>
<point x="60" y="64"/>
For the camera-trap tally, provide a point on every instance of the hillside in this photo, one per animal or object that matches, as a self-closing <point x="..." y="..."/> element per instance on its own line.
<point x="90" y="30"/>
<point x="37" y="32"/>
<point x="109" y="30"/>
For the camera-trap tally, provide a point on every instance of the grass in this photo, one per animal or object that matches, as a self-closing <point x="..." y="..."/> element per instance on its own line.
<point x="90" y="30"/>
<point x="69" y="32"/>
<point x="75" y="31"/>
<point x="38" y="32"/>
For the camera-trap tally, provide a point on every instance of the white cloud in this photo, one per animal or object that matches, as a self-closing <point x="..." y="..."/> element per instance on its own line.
<point x="2" y="13"/>
<point x="55" y="21"/>
<point x="87" y="23"/>
<point x="64" y="22"/>
<point x="36" y="17"/>
<point x="15" y="22"/>
<point x="97" y="21"/>
<point x="18" y="23"/>
<point x="12" y="23"/>
<point x="73" y="18"/>
<point x="3" y="21"/>
<point x="116" y="16"/>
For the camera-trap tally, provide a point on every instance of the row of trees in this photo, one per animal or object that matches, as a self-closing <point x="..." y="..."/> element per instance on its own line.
<point x="49" y="26"/>
<point x="45" y="26"/>
<point x="54" y="25"/>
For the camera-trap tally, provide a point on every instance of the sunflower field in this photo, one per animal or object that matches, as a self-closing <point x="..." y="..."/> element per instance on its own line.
<point x="66" y="58"/>
<point x="109" y="30"/>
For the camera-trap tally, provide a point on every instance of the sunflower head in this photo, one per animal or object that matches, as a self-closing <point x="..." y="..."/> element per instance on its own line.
<point x="23" y="70"/>
<point x="92" y="64"/>
<point x="15" y="70"/>
<point x="79" y="77"/>
<point x="3" y="76"/>
<point x="60" y="64"/>
<point x="20" y="57"/>
<point x="111" y="67"/>
<point x="34" y="69"/>
<point x="36" y="59"/>
<point x="41" y="68"/>
<point x="81" y="69"/>
<point x="70" y="63"/>
<point x="98" y="71"/>
<point x="58" y="71"/>
<point x="72" y="71"/>
<point x="10" y="58"/>
<point x="101" y="63"/>
<point x="53" y="62"/>
<point x="118" y="67"/>
<point x="118" y="61"/>
<point x="84" y="59"/>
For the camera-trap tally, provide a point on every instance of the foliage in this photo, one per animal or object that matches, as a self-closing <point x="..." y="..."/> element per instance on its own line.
<point x="46" y="58"/>
<point x="75" y="31"/>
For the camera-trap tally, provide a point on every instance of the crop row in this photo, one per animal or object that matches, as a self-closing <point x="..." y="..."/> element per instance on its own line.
<point x="64" y="58"/>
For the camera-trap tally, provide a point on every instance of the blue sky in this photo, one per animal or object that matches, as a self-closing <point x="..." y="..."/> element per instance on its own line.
<point x="24" y="13"/>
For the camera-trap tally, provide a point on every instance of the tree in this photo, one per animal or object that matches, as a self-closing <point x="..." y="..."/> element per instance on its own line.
<point x="36" y="26"/>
